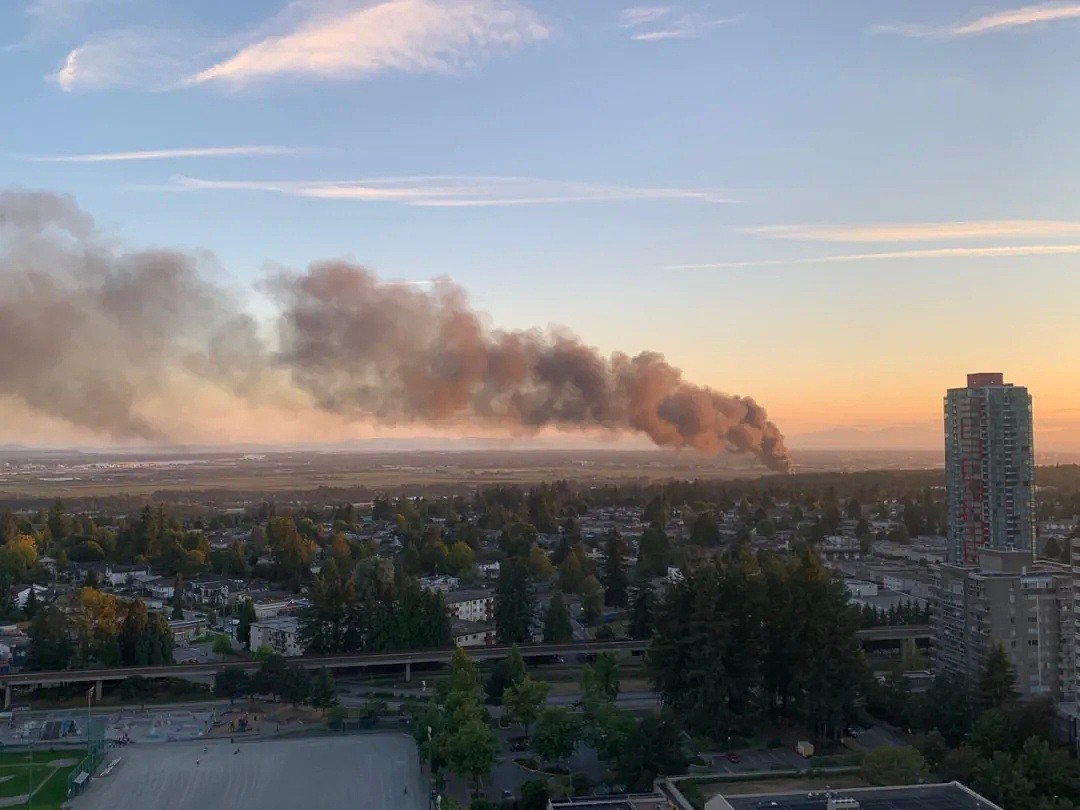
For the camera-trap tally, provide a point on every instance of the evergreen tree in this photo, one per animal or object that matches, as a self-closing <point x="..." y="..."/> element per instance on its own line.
<point x="50" y="640"/>
<point x="30" y="609"/>
<point x="178" y="597"/>
<point x="641" y="611"/>
<point x="246" y="619"/>
<point x="997" y="686"/>
<point x="323" y="690"/>
<point x="592" y="599"/>
<point x="514" y="603"/>
<point x="557" y="620"/>
<point x="653" y="552"/>
<point x="615" y="580"/>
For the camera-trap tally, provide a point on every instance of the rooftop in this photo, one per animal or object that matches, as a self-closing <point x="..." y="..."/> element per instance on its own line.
<point x="949" y="796"/>
<point x="467" y="595"/>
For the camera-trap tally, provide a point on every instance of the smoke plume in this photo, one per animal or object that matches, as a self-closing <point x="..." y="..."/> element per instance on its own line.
<point x="100" y="337"/>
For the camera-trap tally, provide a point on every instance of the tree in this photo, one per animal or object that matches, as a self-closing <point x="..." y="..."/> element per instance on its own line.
<point x="222" y="646"/>
<point x="30" y="609"/>
<point x="571" y="573"/>
<point x="246" y="618"/>
<point x="894" y="765"/>
<point x="534" y="795"/>
<point x="992" y="732"/>
<point x="602" y="677"/>
<point x="50" y="646"/>
<point x="592" y="599"/>
<point x="472" y="750"/>
<point x="556" y="734"/>
<point x="270" y="677"/>
<point x="705" y="531"/>
<point x="557" y="620"/>
<point x="178" y="597"/>
<point x="230" y="682"/>
<point x="323" y="691"/>
<point x="997" y="686"/>
<point x="615" y="580"/>
<point x="652" y="748"/>
<point x="641" y="611"/>
<point x="653" y="552"/>
<point x="513" y="603"/>
<point x="523" y="701"/>
<point x="540" y="567"/>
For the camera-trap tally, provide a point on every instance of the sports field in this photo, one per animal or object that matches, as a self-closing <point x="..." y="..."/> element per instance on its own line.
<point x="372" y="771"/>
<point x="46" y="774"/>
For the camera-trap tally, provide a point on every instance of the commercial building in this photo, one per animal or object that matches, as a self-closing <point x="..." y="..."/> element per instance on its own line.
<point x="944" y="796"/>
<point x="1008" y="599"/>
<point x="989" y="468"/>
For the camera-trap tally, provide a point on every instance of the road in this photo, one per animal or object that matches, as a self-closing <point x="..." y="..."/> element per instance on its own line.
<point x="405" y="658"/>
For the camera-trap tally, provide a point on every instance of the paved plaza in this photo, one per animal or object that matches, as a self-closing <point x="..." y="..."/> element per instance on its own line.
<point x="372" y="771"/>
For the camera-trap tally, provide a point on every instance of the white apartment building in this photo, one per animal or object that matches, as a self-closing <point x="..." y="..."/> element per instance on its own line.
<point x="281" y="634"/>
<point x="471" y="605"/>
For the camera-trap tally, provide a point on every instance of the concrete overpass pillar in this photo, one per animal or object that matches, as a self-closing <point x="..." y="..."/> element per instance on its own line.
<point x="7" y="696"/>
<point x="97" y="690"/>
<point x="408" y="671"/>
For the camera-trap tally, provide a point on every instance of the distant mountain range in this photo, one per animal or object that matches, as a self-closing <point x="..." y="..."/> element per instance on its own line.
<point x="916" y="436"/>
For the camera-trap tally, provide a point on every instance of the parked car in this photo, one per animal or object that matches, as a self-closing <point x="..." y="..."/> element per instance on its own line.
<point x="519" y="745"/>
<point x="733" y="757"/>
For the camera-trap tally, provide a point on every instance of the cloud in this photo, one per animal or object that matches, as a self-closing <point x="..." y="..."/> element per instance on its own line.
<point x="920" y="231"/>
<point x="451" y="191"/>
<point x="140" y="57"/>
<point x="168" y="154"/>
<point x="914" y="255"/>
<point x="413" y="36"/>
<point x="1003" y="20"/>
<point x="642" y="15"/>
<point x="653" y="23"/>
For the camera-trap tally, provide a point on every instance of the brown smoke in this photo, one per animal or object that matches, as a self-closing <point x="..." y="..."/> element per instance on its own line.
<point x="90" y="334"/>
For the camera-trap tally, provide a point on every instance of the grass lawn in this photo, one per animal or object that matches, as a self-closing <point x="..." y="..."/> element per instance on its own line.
<point x="50" y="783"/>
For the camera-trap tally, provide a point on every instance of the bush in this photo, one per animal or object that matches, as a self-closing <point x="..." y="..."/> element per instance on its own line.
<point x="534" y="795"/>
<point x="775" y="742"/>
<point x="580" y="784"/>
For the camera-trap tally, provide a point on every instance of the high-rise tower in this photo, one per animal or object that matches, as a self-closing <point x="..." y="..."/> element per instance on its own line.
<point x="989" y="468"/>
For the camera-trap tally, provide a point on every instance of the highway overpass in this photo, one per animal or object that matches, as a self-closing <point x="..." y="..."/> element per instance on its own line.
<point x="405" y="658"/>
<point x="901" y="633"/>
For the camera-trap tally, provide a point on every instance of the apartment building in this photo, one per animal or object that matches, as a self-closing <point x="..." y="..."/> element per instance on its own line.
<point x="1010" y="599"/>
<point x="989" y="468"/>
<point x="280" y="633"/>
<point x="471" y="605"/>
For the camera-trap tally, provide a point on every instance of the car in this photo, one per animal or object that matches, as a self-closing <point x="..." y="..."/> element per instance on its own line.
<point x="508" y="794"/>
<point x="733" y="757"/>
<point x="853" y="731"/>
<point x="519" y="745"/>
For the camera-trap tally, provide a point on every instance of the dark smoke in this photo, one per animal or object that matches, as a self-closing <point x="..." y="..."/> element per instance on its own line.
<point x="360" y="347"/>
<point x="91" y="334"/>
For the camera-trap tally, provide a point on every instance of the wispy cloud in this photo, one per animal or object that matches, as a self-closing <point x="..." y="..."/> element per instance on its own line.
<point x="168" y="154"/>
<point x="643" y="15"/>
<point x="414" y="36"/>
<point x="921" y="231"/>
<point x="911" y="255"/>
<point x="652" y="23"/>
<point x="140" y="57"/>
<point x="451" y="191"/>
<point x="990" y="23"/>
<point x="327" y="39"/>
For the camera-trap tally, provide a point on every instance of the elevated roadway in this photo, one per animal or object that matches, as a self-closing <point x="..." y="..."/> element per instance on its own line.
<point x="405" y="658"/>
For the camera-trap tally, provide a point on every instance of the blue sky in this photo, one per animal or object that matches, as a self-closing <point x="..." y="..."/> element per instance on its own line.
<point x="713" y="179"/>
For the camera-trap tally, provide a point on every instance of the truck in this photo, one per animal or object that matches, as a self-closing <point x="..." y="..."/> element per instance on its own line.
<point x="804" y="749"/>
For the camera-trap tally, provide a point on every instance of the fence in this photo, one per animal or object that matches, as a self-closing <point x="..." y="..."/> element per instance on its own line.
<point x="79" y="778"/>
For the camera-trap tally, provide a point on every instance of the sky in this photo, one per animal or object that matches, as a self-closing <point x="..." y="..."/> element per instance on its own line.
<point x="839" y="208"/>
